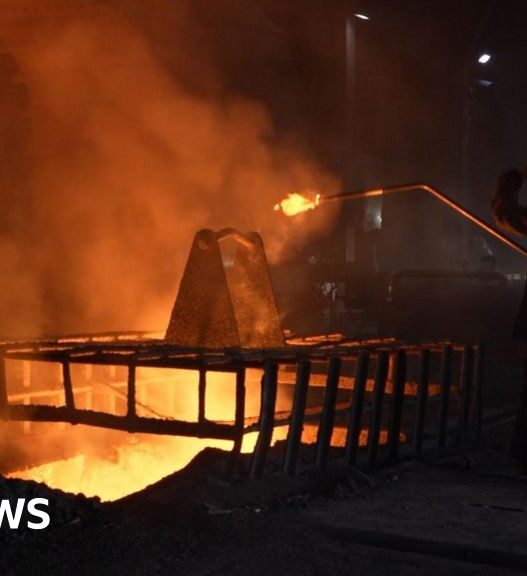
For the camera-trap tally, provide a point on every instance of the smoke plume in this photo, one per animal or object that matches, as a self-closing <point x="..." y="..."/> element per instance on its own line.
<point x="130" y="156"/>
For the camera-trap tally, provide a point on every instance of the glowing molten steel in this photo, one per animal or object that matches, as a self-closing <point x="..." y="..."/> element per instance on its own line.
<point x="297" y="203"/>
<point x="136" y="461"/>
<point x="134" y="466"/>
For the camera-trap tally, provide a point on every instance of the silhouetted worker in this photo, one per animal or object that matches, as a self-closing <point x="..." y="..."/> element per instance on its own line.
<point x="512" y="217"/>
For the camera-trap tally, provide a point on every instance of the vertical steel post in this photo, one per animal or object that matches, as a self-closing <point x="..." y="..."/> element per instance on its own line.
<point x="399" y="381"/>
<point x="357" y="404"/>
<point x="202" y="391"/>
<point x="294" y="435"/>
<point x="381" y="373"/>
<point x="239" y="422"/>
<point x="465" y="391"/>
<point x="420" y="408"/>
<point x="68" y="387"/>
<point x="445" y="381"/>
<point x="4" y="400"/>
<point x="131" y="391"/>
<point x="327" y="418"/>
<point x="479" y="359"/>
<point x="267" y="409"/>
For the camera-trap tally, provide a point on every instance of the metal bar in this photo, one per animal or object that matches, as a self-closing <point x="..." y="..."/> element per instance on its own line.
<point x="131" y="392"/>
<point x="465" y="389"/>
<point x="420" y="408"/>
<point x="357" y="404"/>
<point x="294" y="435"/>
<point x="445" y="380"/>
<point x="40" y="413"/>
<point x="239" y="423"/>
<point x="4" y="401"/>
<point x="479" y="360"/>
<point x="226" y="361"/>
<point x="437" y="194"/>
<point x="68" y="387"/>
<point x="327" y="418"/>
<point x="399" y="381"/>
<point x="267" y="408"/>
<point x="202" y="391"/>
<point x="381" y="373"/>
<point x="159" y="350"/>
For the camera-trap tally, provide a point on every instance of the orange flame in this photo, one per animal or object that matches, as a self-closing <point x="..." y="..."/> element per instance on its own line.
<point x="297" y="203"/>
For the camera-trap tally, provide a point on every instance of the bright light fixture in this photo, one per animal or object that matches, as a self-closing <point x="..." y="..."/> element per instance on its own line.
<point x="362" y="16"/>
<point x="484" y="58"/>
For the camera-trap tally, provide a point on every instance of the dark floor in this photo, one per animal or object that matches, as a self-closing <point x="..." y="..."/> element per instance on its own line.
<point x="462" y="515"/>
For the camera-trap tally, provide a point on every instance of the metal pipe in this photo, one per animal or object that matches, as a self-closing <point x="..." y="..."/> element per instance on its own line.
<point x="239" y="424"/>
<point x="143" y="425"/>
<point x="327" y="418"/>
<point x="294" y="435"/>
<point x="422" y="395"/>
<point x="68" y="387"/>
<point x="202" y="391"/>
<point x="381" y="373"/>
<point x="131" y="391"/>
<point x="399" y="382"/>
<point x="445" y="381"/>
<point x="479" y="361"/>
<point x="371" y="193"/>
<point x="465" y="389"/>
<point x="356" y="409"/>
<point x="267" y="410"/>
<point x="4" y="399"/>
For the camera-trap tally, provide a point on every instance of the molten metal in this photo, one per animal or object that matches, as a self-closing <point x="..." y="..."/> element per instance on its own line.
<point x="297" y="203"/>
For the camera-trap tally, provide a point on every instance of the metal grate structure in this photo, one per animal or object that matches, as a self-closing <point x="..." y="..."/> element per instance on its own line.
<point x="408" y="399"/>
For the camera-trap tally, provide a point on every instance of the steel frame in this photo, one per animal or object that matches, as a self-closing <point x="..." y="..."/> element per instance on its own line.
<point x="386" y="359"/>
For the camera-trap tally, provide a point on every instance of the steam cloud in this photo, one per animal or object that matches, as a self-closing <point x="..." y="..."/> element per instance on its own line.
<point x="128" y="162"/>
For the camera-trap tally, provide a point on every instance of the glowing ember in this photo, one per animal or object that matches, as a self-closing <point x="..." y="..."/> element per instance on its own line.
<point x="297" y="203"/>
<point x="134" y="465"/>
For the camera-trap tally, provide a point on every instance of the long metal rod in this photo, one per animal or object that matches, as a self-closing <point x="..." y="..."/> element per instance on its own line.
<point x="327" y="418"/>
<point x="370" y="193"/>
<point x="381" y="373"/>
<point x="202" y="391"/>
<point x="68" y="387"/>
<point x="420" y="409"/>
<point x="267" y="410"/>
<point x="131" y="390"/>
<point x="4" y="401"/>
<point x="479" y="359"/>
<point x="399" y="381"/>
<point x="356" y="409"/>
<point x="239" y="423"/>
<point x="465" y="386"/>
<point x="445" y="382"/>
<point x="44" y="413"/>
<point x="294" y="435"/>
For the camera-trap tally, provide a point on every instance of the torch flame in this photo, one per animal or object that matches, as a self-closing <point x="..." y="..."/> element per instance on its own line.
<point x="297" y="203"/>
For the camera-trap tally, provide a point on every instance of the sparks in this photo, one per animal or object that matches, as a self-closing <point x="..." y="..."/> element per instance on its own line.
<point x="297" y="203"/>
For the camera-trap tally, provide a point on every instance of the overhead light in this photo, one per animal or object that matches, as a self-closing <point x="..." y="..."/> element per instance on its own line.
<point x="484" y="83"/>
<point x="362" y="16"/>
<point x="484" y="58"/>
